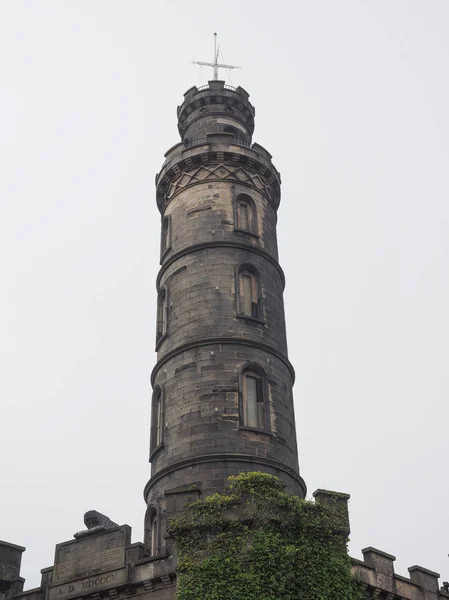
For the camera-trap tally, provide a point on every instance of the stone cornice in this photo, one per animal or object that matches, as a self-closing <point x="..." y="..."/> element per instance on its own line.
<point x="205" y="458"/>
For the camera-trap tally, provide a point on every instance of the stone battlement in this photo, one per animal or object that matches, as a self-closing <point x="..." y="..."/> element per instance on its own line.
<point x="376" y="572"/>
<point x="103" y="564"/>
<point x="215" y="108"/>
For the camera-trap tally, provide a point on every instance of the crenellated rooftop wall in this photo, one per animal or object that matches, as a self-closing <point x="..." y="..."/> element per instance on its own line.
<point x="145" y="576"/>
<point x="376" y="572"/>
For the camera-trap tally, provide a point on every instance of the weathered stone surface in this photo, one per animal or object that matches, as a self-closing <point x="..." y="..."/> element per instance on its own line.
<point x="96" y="553"/>
<point x="10" y="560"/>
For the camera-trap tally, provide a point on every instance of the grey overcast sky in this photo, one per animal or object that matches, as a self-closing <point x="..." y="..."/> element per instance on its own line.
<point x="352" y="100"/>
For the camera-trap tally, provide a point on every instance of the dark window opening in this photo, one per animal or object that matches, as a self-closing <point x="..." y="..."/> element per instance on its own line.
<point x="154" y="536"/>
<point x="157" y="420"/>
<point x="249" y="297"/>
<point x="152" y="531"/>
<point x="245" y="214"/>
<point x="165" y="235"/>
<point x="162" y="315"/>
<point x="254" y="409"/>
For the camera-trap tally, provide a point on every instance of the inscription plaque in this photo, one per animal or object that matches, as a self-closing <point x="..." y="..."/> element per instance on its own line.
<point x="88" y="585"/>
<point x="97" y="553"/>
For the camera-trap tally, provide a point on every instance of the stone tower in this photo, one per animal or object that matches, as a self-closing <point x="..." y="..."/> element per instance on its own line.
<point x="222" y="400"/>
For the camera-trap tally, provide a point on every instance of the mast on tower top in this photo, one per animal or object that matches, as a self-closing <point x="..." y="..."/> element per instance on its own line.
<point x="216" y="65"/>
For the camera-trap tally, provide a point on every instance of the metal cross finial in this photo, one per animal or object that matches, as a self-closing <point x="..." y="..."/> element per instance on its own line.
<point x="216" y="65"/>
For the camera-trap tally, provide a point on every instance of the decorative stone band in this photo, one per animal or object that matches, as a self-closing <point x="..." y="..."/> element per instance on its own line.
<point x="229" y="458"/>
<point x="218" y="244"/>
<point x="215" y="161"/>
<point x="217" y="172"/>
<point x="220" y="341"/>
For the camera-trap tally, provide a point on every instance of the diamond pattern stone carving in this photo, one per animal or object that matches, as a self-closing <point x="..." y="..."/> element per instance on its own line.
<point x="221" y="171"/>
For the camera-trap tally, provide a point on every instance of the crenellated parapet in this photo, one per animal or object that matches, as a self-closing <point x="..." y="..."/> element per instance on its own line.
<point x="215" y="107"/>
<point x="101" y="563"/>
<point x="376" y="573"/>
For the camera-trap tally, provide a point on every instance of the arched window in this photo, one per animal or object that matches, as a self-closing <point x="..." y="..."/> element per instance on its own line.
<point x="254" y="401"/>
<point x="249" y="295"/>
<point x="162" y="315"/>
<point x="245" y="214"/>
<point x="152" y="531"/>
<point x="165" y="235"/>
<point x="157" y="420"/>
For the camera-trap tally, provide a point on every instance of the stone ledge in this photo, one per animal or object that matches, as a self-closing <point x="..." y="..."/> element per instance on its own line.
<point x="154" y="558"/>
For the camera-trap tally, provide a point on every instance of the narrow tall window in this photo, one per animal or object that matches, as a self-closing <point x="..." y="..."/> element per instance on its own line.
<point x="154" y="535"/>
<point x="157" y="420"/>
<point x="249" y="297"/>
<point x="162" y="315"/>
<point x="245" y="214"/>
<point x="165" y="235"/>
<point x="253" y="401"/>
<point x="152" y="531"/>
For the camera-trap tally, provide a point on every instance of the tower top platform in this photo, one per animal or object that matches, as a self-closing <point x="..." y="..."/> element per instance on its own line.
<point x="216" y="107"/>
<point x="214" y="85"/>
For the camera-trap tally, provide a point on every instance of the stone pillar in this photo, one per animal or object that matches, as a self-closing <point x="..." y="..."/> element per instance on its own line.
<point x="379" y="561"/>
<point x="425" y="579"/>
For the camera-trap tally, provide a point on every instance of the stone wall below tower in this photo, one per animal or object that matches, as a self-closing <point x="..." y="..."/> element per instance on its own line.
<point x="105" y="565"/>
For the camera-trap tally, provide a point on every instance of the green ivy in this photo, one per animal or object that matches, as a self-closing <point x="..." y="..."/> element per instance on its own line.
<point x="255" y="541"/>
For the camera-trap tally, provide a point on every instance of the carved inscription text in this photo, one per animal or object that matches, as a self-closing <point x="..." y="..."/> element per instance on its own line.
<point x="88" y="585"/>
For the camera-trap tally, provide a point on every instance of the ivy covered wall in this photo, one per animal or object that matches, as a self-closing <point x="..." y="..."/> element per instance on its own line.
<point x="255" y="541"/>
